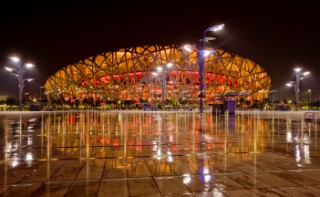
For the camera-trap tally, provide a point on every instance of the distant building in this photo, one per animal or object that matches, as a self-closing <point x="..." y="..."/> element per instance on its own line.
<point x="126" y="74"/>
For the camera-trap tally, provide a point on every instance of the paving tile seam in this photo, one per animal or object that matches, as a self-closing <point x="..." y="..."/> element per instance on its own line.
<point x="133" y="157"/>
<point x="49" y="182"/>
<point x="70" y="183"/>
<point x="153" y="177"/>
<point x="100" y="180"/>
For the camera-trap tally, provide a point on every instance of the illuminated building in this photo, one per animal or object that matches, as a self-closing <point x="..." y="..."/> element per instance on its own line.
<point x="126" y="74"/>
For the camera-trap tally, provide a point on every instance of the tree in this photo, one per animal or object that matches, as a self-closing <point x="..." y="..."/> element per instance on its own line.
<point x="11" y="101"/>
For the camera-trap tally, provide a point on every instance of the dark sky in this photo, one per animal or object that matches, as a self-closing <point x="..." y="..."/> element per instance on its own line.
<point x="51" y="35"/>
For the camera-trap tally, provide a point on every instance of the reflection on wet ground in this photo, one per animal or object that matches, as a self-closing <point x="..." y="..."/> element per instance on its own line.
<point x="158" y="154"/>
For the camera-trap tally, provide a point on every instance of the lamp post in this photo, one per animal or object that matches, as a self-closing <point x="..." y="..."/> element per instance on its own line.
<point x="296" y="83"/>
<point x="309" y="96"/>
<point x="163" y="76"/>
<point x="202" y="54"/>
<point x="19" y="71"/>
<point x="273" y="97"/>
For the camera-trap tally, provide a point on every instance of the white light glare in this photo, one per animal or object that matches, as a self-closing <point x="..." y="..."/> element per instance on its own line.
<point x="206" y="170"/>
<point x="14" y="163"/>
<point x="306" y="73"/>
<point x="289" y="137"/>
<point x="297" y="70"/>
<point x="187" y="48"/>
<point x="207" y="52"/>
<point x="288" y="84"/>
<point x="15" y="59"/>
<point x="186" y="178"/>
<point x="207" y="178"/>
<point x="8" y="69"/>
<point x="29" y="157"/>
<point x="170" y="138"/>
<point x="29" y="65"/>
<point x="216" y="27"/>
<point x="169" y="64"/>
<point x="159" y="68"/>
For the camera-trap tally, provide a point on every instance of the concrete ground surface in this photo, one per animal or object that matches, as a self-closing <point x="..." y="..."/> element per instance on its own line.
<point x="123" y="153"/>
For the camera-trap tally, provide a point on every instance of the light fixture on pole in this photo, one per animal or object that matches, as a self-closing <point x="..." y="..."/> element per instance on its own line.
<point x="19" y="71"/>
<point x="295" y="84"/>
<point x="201" y="55"/>
<point x="163" y="76"/>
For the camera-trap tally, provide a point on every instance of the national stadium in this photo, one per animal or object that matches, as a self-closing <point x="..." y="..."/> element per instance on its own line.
<point x="142" y="74"/>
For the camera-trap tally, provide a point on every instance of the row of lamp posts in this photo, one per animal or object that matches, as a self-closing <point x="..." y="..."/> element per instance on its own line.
<point x="202" y="53"/>
<point x="19" y="70"/>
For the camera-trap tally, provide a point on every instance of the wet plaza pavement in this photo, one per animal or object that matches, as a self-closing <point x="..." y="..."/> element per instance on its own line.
<point x="95" y="153"/>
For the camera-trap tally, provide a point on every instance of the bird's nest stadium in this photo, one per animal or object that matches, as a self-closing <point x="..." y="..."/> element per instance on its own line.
<point x="133" y="74"/>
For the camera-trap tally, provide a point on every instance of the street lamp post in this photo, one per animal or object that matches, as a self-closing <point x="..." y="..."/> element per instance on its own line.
<point x="296" y="84"/>
<point x="274" y="97"/>
<point x="309" y="96"/>
<point x="202" y="54"/>
<point x="19" y="71"/>
<point x="163" y="76"/>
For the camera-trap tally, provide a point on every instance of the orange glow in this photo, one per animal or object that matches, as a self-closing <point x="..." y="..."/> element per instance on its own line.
<point x="127" y="75"/>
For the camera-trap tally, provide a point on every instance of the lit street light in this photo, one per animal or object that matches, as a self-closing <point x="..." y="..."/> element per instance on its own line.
<point x="202" y="54"/>
<point x="296" y="84"/>
<point x="163" y="76"/>
<point x="19" y="71"/>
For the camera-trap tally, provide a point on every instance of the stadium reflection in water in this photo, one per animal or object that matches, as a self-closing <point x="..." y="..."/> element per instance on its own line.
<point x="198" y="153"/>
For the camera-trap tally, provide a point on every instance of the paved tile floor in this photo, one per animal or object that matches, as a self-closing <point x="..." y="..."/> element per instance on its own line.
<point x="94" y="153"/>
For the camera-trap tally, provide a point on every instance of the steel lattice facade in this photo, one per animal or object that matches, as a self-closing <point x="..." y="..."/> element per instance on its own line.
<point x="126" y="74"/>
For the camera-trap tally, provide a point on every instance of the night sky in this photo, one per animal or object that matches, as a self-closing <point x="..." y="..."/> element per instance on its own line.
<point x="277" y="36"/>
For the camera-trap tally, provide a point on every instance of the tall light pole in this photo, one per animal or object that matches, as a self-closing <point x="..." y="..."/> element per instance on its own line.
<point x="296" y="83"/>
<point x="309" y="96"/>
<point x="163" y="76"/>
<point x="273" y="98"/>
<point x="202" y="54"/>
<point x="19" y="71"/>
